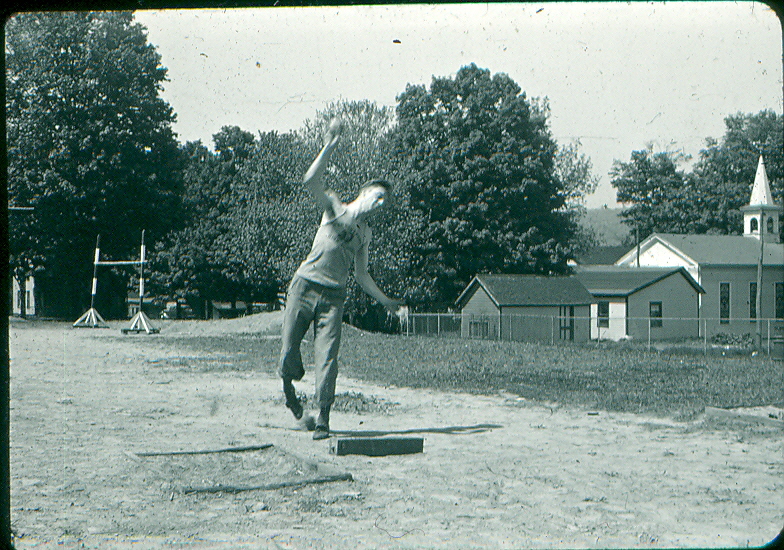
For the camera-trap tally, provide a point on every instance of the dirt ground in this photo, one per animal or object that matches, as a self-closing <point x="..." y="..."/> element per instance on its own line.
<point x="91" y="408"/>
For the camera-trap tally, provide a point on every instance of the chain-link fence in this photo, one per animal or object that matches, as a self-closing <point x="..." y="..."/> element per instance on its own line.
<point x="766" y="335"/>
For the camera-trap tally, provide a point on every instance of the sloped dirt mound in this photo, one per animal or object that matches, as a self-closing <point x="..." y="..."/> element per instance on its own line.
<point x="347" y="402"/>
<point x="235" y="470"/>
<point x="258" y="323"/>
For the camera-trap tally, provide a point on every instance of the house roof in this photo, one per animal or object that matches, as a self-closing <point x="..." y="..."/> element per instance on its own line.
<point x="727" y="250"/>
<point x="601" y="255"/>
<point x="529" y="290"/>
<point x="603" y="280"/>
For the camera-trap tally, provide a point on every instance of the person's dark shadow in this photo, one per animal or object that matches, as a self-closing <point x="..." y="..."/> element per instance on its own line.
<point x="450" y="430"/>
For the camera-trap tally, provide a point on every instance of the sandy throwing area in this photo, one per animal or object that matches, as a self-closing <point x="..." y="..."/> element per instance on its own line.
<point x="496" y="472"/>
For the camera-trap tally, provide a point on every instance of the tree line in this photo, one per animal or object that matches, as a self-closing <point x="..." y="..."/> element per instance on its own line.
<point x="480" y="184"/>
<point x="660" y="196"/>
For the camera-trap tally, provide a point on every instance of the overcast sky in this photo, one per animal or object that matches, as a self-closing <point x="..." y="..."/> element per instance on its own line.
<point x="618" y="76"/>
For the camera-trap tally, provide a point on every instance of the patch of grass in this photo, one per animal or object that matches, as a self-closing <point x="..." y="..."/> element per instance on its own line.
<point x="606" y="377"/>
<point x="619" y="378"/>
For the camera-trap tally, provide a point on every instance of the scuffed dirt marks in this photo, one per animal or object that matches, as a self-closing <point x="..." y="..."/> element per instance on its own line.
<point x="191" y="492"/>
<point x="201" y="364"/>
<point x="215" y="471"/>
<point x="346" y="402"/>
<point x="358" y="403"/>
<point x="745" y="423"/>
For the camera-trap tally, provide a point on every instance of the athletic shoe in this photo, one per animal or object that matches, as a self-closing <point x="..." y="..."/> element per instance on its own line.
<point x="322" y="432"/>
<point x="296" y="408"/>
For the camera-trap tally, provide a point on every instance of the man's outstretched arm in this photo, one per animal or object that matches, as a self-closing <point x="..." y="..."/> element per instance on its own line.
<point x="313" y="177"/>
<point x="370" y="287"/>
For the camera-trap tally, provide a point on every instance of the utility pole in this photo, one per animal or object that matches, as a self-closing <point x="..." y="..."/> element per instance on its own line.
<point x="760" y="262"/>
<point x="637" y="238"/>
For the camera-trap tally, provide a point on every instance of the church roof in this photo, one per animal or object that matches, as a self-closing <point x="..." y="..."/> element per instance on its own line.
<point x="761" y="197"/>
<point x="720" y="249"/>
<point x="760" y="192"/>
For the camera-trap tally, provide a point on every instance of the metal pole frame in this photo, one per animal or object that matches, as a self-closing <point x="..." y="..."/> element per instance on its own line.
<point x="91" y="318"/>
<point x="140" y="321"/>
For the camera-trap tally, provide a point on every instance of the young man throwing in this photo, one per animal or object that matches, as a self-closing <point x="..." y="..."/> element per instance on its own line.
<point x="318" y="290"/>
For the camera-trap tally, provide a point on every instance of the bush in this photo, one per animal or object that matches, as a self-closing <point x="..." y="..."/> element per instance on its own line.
<point x="743" y="341"/>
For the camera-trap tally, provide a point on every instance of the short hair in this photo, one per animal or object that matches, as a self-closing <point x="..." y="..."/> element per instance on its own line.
<point x="381" y="183"/>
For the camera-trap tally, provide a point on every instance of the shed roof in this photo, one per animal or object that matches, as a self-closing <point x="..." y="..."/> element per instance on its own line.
<point x="529" y="290"/>
<point x="604" y="280"/>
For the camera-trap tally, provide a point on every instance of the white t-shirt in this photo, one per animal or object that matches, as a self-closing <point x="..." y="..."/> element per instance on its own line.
<point x="337" y="241"/>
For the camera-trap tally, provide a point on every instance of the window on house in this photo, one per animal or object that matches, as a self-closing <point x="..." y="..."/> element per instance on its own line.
<point x="754" y="225"/>
<point x="479" y="329"/>
<point x="779" y="300"/>
<point x="770" y="225"/>
<point x="724" y="303"/>
<point x="655" y="313"/>
<point x="603" y="314"/>
<point x="752" y="301"/>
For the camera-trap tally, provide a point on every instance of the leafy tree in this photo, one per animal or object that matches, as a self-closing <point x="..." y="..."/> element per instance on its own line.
<point x="90" y="147"/>
<point x="660" y="197"/>
<point x="202" y="262"/>
<point x="724" y="174"/>
<point x="574" y="170"/>
<point x="480" y="168"/>
<point x="273" y="214"/>
<point x="654" y="191"/>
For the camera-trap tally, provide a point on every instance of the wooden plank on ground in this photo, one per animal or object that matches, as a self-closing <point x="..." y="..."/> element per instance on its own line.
<point x="209" y="451"/>
<point x="269" y="486"/>
<point x="376" y="446"/>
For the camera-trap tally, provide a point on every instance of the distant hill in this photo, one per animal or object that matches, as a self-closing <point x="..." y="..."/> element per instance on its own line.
<point x="606" y="223"/>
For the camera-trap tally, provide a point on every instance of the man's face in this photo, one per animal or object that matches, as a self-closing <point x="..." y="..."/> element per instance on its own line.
<point x="370" y="199"/>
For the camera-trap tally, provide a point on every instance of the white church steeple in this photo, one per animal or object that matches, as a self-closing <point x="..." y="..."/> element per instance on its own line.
<point x="761" y="214"/>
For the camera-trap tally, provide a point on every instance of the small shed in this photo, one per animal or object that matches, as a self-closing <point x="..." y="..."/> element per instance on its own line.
<point x="525" y="308"/>
<point x="642" y="303"/>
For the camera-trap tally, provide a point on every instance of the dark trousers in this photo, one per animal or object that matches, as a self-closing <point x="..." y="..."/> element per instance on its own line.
<point x="308" y="302"/>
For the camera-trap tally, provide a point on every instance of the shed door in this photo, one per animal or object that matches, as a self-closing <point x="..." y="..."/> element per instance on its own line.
<point x="566" y="322"/>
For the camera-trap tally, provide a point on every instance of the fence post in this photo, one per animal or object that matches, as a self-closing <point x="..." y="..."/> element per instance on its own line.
<point x="705" y="334"/>
<point x="649" y="333"/>
<point x="768" y="337"/>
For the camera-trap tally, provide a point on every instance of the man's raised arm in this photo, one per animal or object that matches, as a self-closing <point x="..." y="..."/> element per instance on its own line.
<point x="313" y="177"/>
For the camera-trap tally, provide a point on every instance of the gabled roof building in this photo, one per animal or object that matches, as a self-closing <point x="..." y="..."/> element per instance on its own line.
<point x="525" y="308"/>
<point x="726" y="266"/>
<point x="646" y="303"/>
